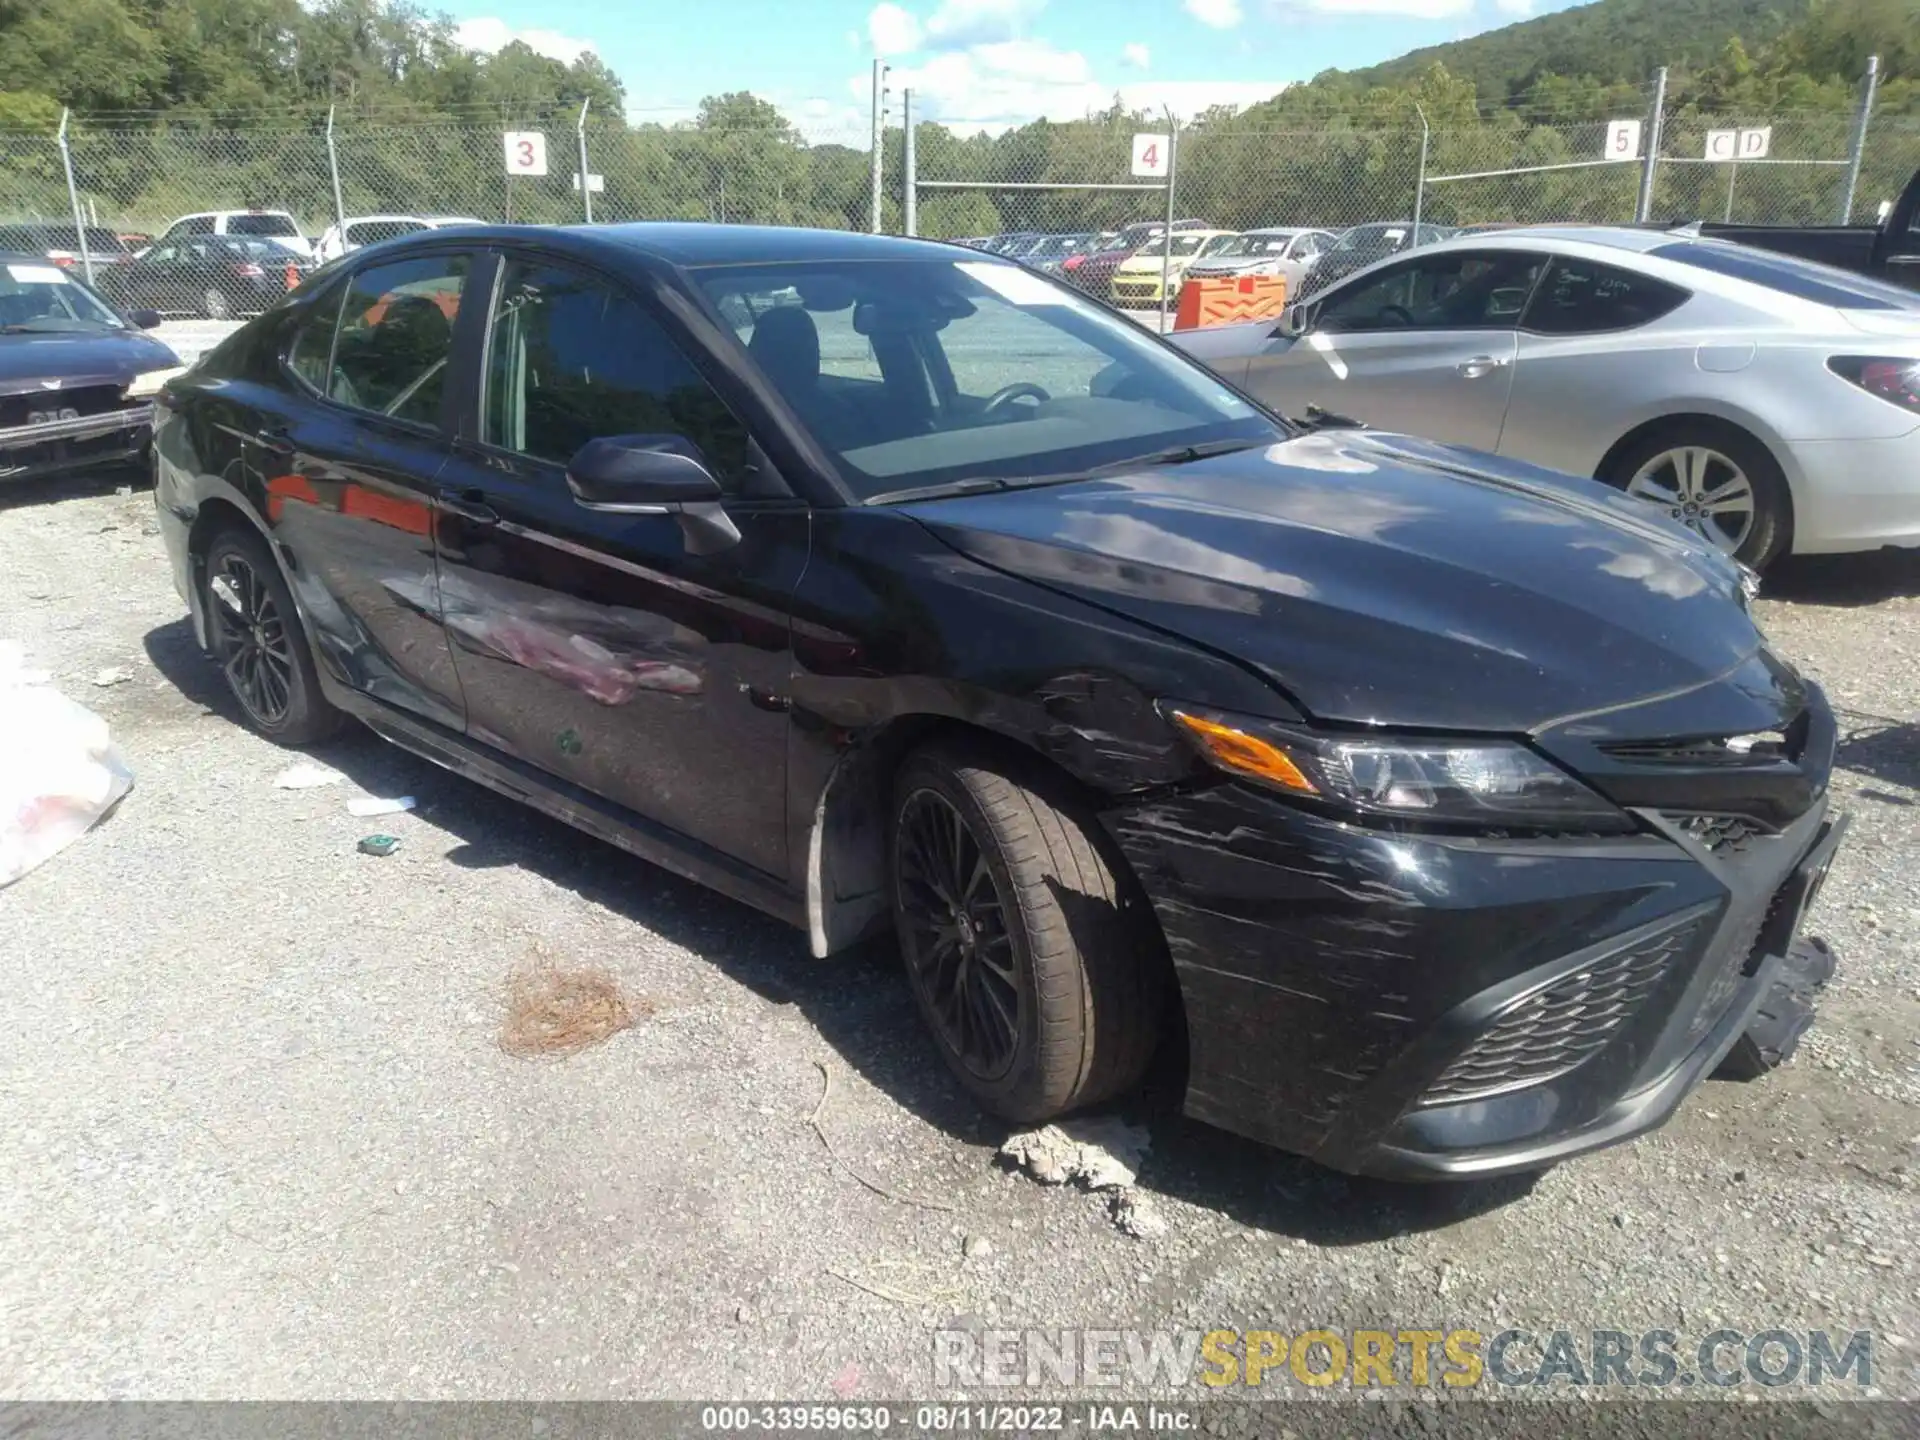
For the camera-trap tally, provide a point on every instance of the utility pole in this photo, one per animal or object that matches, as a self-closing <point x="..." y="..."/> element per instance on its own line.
<point x="1858" y="150"/>
<point x="911" y="191"/>
<point x="879" y="135"/>
<point x="1656" y="139"/>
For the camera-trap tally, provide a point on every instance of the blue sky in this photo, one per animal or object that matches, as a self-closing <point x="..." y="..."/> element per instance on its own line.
<point x="976" y="63"/>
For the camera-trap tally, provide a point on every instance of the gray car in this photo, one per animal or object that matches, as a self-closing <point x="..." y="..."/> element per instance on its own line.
<point x="1287" y="253"/>
<point x="1769" y="403"/>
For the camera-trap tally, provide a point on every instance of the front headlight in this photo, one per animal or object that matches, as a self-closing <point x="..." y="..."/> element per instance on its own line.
<point x="1488" y="784"/>
<point x="148" y="382"/>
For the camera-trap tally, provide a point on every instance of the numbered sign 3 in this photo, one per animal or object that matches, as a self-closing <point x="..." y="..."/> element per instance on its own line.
<point x="526" y="152"/>
<point x="1152" y="156"/>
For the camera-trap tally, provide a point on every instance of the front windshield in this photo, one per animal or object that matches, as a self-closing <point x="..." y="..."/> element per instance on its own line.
<point x="45" y="298"/>
<point x="921" y="373"/>
<point x="1236" y="246"/>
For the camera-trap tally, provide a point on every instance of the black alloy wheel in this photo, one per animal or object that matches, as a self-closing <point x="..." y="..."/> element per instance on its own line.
<point x="958" y="947"/>
<point x="256" y="636"/>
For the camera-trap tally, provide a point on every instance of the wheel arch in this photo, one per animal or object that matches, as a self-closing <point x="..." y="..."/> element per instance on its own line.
<point x="1754" y="430"/>
<point x="214" y="516"/>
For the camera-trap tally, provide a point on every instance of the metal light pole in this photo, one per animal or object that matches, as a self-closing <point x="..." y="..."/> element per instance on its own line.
<point x="1859" y="148"/>
<point x="1166" y="241"/>
<point x="333" y="169"/>
<point x="1656" y="138"/>
<point x="879" y="134"/>
<point x="1420" y="180"/>
<point x="912" y="187"/>
<point x="586" y="190"/>
<point x="73" y="199"/>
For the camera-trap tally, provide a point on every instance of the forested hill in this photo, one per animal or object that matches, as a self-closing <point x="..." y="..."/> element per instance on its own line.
<point x="1611" y="41"/>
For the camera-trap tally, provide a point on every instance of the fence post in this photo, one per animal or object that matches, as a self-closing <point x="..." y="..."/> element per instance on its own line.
<point x="1166" y="241"/>
<point x="333" y="171"/>
<point x="879" y="135"/>
<point x="73" y="199"/>
<point x="1858" y="150"/>
<point x="1656" y="137"/>
<point x="586" y="190"/>
<point x="912" y="187"/>
<point x="1420" y="181"/>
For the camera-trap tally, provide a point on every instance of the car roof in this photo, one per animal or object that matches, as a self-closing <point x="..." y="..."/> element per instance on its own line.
<point x="683" y="244"/>
<point x="1616" y="237"/>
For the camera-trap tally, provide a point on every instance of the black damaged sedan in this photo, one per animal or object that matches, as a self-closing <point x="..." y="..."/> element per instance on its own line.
<point x="1442" y="816"/>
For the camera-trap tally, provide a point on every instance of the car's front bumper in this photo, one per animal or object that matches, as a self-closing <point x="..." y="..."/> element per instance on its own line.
<point x="1428" y="1007"/>
<point x="75" y="443"/>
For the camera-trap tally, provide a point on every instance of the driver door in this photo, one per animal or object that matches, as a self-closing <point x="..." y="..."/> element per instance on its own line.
<point x="1423" y="347"/>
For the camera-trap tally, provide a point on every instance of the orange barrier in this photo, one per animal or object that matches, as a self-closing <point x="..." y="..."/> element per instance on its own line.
<point x="1230" y="300"/>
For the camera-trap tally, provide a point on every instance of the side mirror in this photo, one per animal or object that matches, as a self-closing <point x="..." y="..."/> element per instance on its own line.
<point x="1296" y="320"/>
<point x="144" y="319"/>
<point x="640" y="475"/>
<point x="654" y="475"/>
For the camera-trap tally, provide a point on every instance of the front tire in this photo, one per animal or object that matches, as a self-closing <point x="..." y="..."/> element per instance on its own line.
<point x="259" y="643"/>
<point x="1034" y="960"/>
<point x="218" y="306"/>
<point x="1715" y="479"/>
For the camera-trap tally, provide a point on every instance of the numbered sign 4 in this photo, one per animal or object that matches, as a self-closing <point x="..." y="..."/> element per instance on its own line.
<point x="1152" y="156"/>
<point x="526" y="152"/>
<point x="1623" y="140"/>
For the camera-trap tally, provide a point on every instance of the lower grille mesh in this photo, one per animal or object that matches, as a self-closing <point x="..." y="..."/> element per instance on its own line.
<point x="1564" y="1025"/>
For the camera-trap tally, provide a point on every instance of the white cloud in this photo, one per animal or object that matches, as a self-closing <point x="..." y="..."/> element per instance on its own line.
<point x="1412" y="9"/>
<point x="1520" y="8"/>
<point x="1218" y="14"/>
<point x="1136" y="55"/>
<point x="1000" y="86"/>
<point x="958" y="23"/>
<point x="892" y="30"/>
<point x="490" y="35"/>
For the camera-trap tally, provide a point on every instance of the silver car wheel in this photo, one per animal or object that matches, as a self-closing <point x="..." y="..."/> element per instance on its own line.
<point x="1703" y="490"/>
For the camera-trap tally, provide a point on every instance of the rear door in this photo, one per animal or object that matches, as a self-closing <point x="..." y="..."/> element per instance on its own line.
<point x="352" y="459"/>
<point x="1424" y="347"/>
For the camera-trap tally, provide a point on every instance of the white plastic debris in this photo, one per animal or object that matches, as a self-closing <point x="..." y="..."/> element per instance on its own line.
<point x="367" y="806"/>
<point x="1104" y="1153"/>
<point x="307" y="775"/>
<point x="59" y="772"/>
<point x="112" y="675"/>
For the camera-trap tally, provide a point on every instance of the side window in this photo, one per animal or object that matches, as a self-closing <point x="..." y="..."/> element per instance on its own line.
<point x="1464" y="290"/>
<point x="199" y="225"/>
<point x="573" y="359"/>
<point x="310" y="353"/>
<point x="1581" y="297"/>
<point x="396" y="337"/>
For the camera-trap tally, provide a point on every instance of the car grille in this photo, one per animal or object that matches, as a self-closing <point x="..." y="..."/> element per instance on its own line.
<point x="85" y="400"/>
<point x="1560" y="1028"/>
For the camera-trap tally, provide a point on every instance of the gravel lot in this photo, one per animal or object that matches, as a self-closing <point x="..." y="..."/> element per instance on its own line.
<point x="262" y="1140"/>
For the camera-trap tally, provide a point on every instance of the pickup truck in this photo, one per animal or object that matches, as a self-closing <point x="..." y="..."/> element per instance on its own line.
<point x="1890" y="249"/>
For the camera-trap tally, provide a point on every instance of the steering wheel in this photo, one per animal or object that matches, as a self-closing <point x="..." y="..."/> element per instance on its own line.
<point x="1406" y="315"/>
<point x="1007" y="394"/>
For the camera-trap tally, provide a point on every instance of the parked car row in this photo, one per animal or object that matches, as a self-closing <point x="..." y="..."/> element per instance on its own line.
<point x="1128" y="267"/>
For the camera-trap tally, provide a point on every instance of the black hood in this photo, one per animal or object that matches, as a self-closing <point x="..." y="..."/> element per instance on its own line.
<point x="75" y="359"/>
<point x="1384" y="580"/>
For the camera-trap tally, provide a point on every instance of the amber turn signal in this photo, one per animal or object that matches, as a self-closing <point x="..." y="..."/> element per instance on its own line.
<point x="1236" y="750"/>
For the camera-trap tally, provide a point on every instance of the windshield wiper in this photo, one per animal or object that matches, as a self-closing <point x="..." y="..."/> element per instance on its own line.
<point x="1186" y="454"/>
<point x="972" y="485"/>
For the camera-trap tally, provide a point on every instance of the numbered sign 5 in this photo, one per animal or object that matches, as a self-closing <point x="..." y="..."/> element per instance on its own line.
<point x="526" y="152"/>
<point x="1623" y="140"/>
<point x="1152" y="156"/>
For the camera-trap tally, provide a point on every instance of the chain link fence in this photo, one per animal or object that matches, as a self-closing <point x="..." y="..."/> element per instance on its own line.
<point x="268" y="201"/>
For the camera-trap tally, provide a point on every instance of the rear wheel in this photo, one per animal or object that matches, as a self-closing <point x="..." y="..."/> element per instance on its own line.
<point x="259" y="644"/>
<point x="218" y="306"/>
<point x="1032" y="957"/>
<point x="1715" y="479"/>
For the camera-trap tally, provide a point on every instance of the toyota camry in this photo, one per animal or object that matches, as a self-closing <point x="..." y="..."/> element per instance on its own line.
<point x="1436" y="814"/>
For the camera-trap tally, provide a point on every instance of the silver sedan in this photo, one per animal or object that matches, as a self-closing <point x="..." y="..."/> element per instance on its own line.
<point x="1771" y="404"/>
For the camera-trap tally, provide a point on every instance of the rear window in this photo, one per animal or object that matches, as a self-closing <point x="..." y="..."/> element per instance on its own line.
<point x="1583" y="297"/>
<point x="267" y="224"/>
<point x="1802" y="279"/>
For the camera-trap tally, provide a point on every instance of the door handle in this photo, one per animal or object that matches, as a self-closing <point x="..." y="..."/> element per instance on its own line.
<point x="275" y="441"/>
<point x="1480" y="366"/>
<point x="468" y="503"/>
